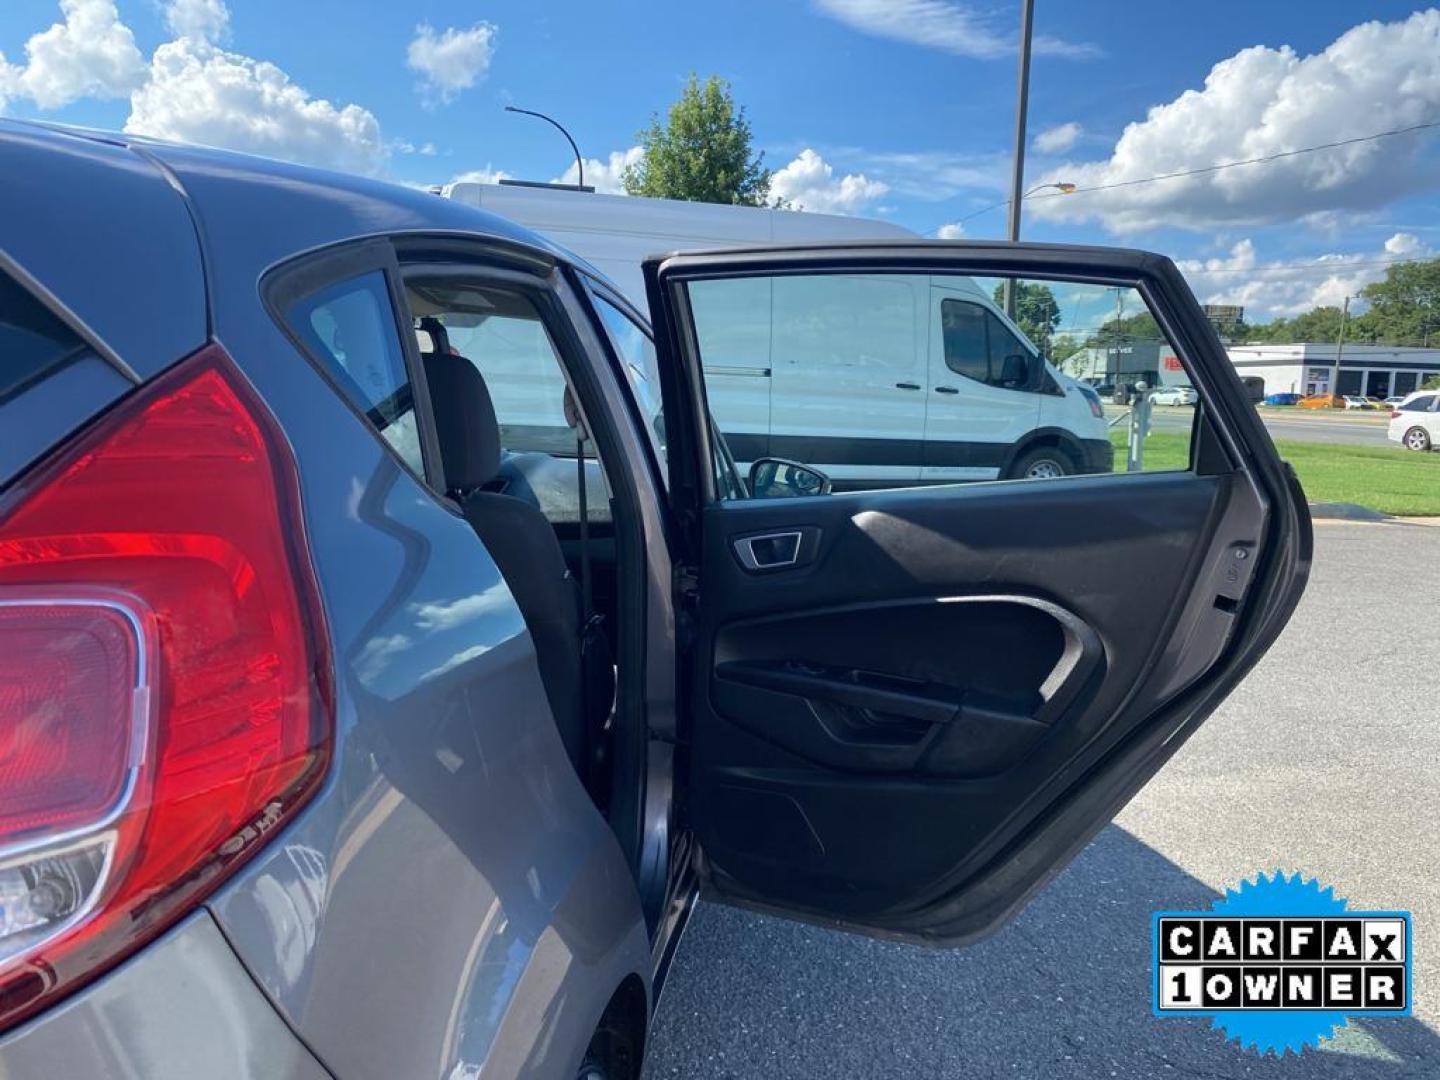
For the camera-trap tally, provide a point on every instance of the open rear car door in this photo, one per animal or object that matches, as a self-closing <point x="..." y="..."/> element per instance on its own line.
<point x="909" y="707"/>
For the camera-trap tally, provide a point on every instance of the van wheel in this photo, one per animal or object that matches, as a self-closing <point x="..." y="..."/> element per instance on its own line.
<point x="1417" y="438"/>
<point x="1042" y="463"/>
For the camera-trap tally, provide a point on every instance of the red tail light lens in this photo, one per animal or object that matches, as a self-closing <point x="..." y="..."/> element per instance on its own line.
<point x="1394" y="413"/>
<point x="164" y="680"/>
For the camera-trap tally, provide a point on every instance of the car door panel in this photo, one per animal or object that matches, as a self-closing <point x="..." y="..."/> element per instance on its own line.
<point x="816" y="664"/>
<point x="907" y="731"/>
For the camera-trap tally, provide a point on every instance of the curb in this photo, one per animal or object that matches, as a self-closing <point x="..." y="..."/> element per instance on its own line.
<point x="1340" y="511"/>
<point x="1356" y="514"/>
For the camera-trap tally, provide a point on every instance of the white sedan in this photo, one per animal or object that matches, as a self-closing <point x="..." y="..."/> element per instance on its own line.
<point x="1415" y="422"/>
<point x="1175" y="395"/>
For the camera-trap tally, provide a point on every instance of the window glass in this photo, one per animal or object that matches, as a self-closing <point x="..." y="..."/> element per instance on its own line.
<point x="1004" y="346"/>
<point x="351" y="327"/>
<point x="501" y="333"/>
<point x="33" y="342"/>
<point x="636" y="350"/>
<point x="893" y="380"/>
<point x="967" y="349"/>
<point x="1420" y="404"/>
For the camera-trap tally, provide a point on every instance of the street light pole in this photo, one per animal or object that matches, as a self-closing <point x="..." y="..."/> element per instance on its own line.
<point x="579" y="162"/>
<point x="1339" y="349"/>
<point x="1022" y="105"/>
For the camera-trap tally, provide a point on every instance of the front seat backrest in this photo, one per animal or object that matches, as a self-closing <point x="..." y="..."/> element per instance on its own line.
<point x="518" y="536"/>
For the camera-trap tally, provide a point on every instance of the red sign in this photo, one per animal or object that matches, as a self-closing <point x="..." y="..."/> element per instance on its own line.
<point x="1172" y="363"/>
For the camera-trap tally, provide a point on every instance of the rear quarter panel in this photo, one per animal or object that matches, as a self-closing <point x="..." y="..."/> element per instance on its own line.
<point x="452" y="900"/>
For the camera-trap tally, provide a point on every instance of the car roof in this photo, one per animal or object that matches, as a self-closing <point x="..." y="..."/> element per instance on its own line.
<point x="139" y="203"/>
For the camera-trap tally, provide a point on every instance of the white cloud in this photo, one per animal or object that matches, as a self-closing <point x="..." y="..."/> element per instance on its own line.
<point x="440" y="615"/>
<point x="90" y="54"/>
<point x="809" y="183"/>
<point x="945" y="25"/>
<point x="200" y="93"/>
<point x="1262" y="101"/>
<point x="1058" y="139"/>
<point x="405" y="146"/>
<point x="1404" y="244"/>
<point x="952" y="231"/>
<point x="486" y="175"/>
<point x="606" y="176"/>
<point x="452" y="60"/>
<point x="1268" y="289"/>
<point x="207" y="20"/>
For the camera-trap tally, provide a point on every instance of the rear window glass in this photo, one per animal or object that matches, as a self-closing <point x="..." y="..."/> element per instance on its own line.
<point x="351" y="327"/>
<point x="1419" y="404"/>
<point x="33" y="342"/>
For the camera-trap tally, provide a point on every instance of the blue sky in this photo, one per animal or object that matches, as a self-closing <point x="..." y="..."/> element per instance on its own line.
<point x="893" y="108"/>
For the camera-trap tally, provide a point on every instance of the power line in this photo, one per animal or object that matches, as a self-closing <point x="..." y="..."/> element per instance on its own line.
<point x="1262" y="160"/>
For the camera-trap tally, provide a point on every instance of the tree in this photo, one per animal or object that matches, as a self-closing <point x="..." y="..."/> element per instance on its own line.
<point x="1126" y="331"/>
<point x="1036" y="312"/>
<point x="1405" y="307"/>
<point x="1321" y="324"/>
<point x="1065" y="348"/>
<point x="701" y="152"/>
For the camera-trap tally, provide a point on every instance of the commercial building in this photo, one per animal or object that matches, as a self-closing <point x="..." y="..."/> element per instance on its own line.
<point x="1152" y="362"/>
<point x="1367" y="370"/>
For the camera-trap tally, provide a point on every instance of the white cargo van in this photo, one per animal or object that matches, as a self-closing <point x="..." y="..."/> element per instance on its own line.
<point x="951" y="388"/>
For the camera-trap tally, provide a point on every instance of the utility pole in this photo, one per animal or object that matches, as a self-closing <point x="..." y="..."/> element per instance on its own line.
<point x="1022" y="105"/>
<point x="1339" y="349"/>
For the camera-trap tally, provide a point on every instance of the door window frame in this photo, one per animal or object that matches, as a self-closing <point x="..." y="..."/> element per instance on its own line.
<point x="683" y="380"/>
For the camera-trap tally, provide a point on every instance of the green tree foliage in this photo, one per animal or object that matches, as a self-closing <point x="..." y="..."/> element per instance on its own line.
<point x="1317" y="325"/>
<point x="1036" y="312"/>
<point x="1126" y="331"/>
<point x="701" y="152"/>
<point x="1063" y="350"/>
<point x="1405" y="307"/>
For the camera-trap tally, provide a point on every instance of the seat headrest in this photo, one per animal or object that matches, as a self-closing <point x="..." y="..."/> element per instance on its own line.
<point x="464" y="420"/>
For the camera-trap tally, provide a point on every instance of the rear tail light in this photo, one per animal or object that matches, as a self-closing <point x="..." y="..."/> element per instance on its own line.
<point x="164" y="679"/>
<point x="1394" y="413"/>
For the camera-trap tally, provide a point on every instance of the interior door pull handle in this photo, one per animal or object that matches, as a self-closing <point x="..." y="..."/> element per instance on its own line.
<point x="946" y="390"/>
<point x="770" y="551"/>
<point x="907" y="386"/>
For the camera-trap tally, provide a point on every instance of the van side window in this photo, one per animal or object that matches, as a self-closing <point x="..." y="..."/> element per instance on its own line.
<point x="350" y="328"/>
<point x="967" y="350"/>
<point x="977" y="343"/>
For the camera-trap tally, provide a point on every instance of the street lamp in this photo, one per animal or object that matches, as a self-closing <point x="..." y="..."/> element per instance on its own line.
<point x="579" y="163"/>
<point x="1063" y="187"/>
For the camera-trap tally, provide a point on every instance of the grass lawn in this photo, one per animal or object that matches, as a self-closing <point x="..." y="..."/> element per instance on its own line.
<point x="1388" y="479"/>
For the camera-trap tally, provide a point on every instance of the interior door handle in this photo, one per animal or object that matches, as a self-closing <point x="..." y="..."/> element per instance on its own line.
<point x="947" y="390"/>
<point x="907" y="386"/>
<point x="769" y="551"/>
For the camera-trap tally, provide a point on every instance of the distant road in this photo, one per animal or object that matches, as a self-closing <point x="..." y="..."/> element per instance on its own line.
<point x="1357" y="429"/>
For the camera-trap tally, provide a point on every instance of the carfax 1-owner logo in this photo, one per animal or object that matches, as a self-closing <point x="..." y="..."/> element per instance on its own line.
<point x="1279" y="963"/>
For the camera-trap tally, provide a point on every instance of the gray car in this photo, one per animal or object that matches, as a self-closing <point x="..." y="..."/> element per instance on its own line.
<point x="391" y="650"/>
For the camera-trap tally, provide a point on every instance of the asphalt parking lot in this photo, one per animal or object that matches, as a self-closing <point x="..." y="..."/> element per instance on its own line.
<point x="1324" y="761"/>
